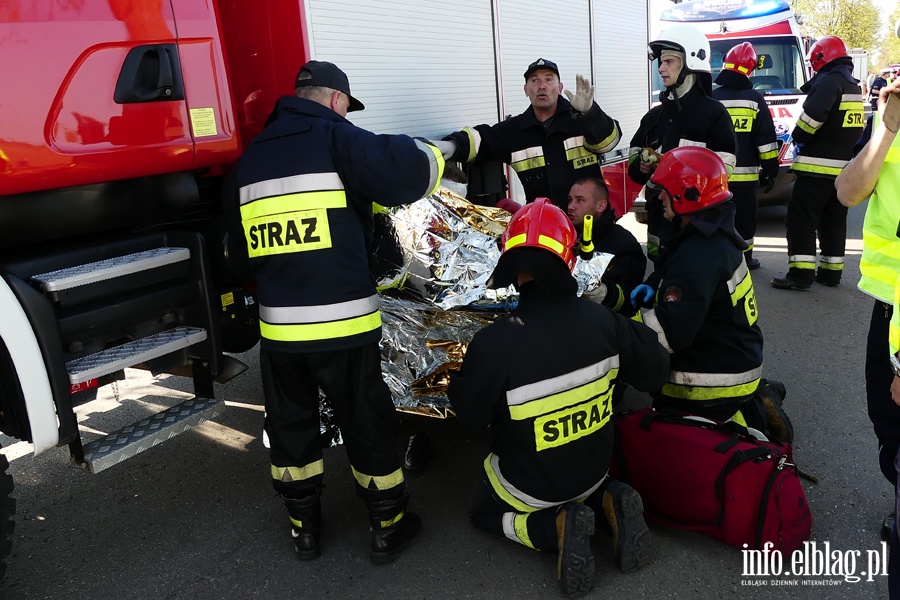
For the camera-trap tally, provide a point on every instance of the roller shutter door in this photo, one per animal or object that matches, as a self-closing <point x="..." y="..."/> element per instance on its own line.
<point x="422" y="67"/>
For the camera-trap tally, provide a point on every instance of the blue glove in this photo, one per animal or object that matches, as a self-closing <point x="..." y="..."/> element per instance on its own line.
<point x="642" y="295"/>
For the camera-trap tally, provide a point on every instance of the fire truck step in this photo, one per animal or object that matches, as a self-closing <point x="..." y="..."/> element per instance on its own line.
<point x="132" y="353"/>
<point x="71" y="277"/>
<point x="121" y="445"/>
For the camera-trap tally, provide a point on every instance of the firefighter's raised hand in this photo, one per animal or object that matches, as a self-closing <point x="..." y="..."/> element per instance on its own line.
<point x="583" y="98"/>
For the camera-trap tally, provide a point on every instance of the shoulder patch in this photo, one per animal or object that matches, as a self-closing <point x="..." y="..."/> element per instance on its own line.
<point x="672" y="294"/>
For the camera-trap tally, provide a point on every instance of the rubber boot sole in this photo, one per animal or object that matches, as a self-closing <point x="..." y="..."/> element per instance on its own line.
<point x="575" y="567"/>
<point x="624" y="511"/>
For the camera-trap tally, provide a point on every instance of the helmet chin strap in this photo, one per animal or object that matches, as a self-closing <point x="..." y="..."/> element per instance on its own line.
<point x="682" y="85"/>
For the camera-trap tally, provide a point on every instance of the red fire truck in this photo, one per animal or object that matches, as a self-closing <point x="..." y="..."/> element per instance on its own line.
<point x="126" y="115"/>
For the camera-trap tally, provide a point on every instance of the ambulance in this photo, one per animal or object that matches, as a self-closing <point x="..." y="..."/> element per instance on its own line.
<point x="771" y="27"/>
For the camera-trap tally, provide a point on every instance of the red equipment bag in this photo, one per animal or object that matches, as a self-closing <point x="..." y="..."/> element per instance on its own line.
<point x="714" y="478"/>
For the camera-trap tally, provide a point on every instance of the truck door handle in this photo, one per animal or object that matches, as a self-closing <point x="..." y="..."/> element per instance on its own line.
<point x="150" y="73"/>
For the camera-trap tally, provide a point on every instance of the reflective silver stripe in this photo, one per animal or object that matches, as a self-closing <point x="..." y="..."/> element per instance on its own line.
<point x="751" y="104"/>
<point x="573" y="142"/>
<point x="746" y="170"/>
<point x="509" y="527"/>
<point x="286" y="315"/>
<point x="561" y="383"/>
<point x="802" y="258"/>
<point x="739" y="274"/>
<point x="813" y="124"/>
<point x="835" y="260"/>
<point x="728" y="158"/>
<point x="531" y="500"/>
<point x="533" y="152"/>
<point x="768" y="147"/>
<point x="685" y="142"/>
<point x="851" y="98"/>
<point x="434" y="169"/>
<point x="823" y="162"/>
<point x="650" y="320"/>
<point x="714" y="379"/>
<point x="310" y="182"/>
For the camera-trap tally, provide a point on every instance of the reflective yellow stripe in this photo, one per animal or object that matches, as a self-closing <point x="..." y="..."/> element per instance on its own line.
<point x="831" y="266"/>
<point x="744" y="177"/>
<point x="320" y="331"/>
<point x="736" y="111"/>
<point x="435" y="165"/>
<point x="567" y="399"/>
<point x="850" y="106"/>
<point x="801" y="265"/>
<point x="293" y="202"/>
<point x="621" y="301"/>
<point x="515" y="241"/>
<point x="741" y="290"/>
<point x="894" y="328"/>
<point x="521" y="528"/>
<point x="807" y="128"/>
<point x="808" y="168"/>
<point x="501" y="491"/>
<point x="288" y="474"/>
<point x="768" y="155"/>
<point x="738" y="418"/>
<point x="528" y="163"/>
<point x="549" y="242"/>
<point x="290" y="315"/>
<point x="686" y="392"/>
<point x="578" y="152"/>
<point x="394" y="521"/>
<point x="607" y="143"/>
<point x="378" y="482"/>
<point x="474" y="143"/>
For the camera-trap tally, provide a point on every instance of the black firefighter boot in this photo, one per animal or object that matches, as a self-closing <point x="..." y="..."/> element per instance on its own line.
<point x="306" y="524"/>
<point x="575" y="567"/>
<point x="393" y="528"/>
<point x="828" y="277"/>
<point x="778" y="424"/>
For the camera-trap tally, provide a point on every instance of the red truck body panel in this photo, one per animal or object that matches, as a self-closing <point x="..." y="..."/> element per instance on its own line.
<point x="67" y="130"/>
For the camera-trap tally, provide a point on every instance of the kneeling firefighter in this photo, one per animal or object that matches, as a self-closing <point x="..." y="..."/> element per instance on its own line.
<point x="702" y="303"/>
<point x="548" y="402"/>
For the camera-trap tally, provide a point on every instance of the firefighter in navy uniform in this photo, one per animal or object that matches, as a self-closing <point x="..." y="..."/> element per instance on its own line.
<point x="703" y="303"/>
<point x="304" y="189"/>
<point x="551" y="144"/>
<point x="686" y="116"/>
<point x="757" y="157"/>
<point x="547" y="398"/>
<point x="590" y="196"/>
<point x="826" y="132"/>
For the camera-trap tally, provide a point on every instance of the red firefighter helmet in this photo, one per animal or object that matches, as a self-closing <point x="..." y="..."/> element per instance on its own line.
<point x="741" y="59"/>
<point x="694" y="178"/>
<point x="826" y="50"/>
<point x="540" y="240"/>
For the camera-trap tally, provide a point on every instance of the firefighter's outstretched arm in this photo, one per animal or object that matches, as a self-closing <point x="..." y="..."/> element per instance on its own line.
<point x="601" y="132"/>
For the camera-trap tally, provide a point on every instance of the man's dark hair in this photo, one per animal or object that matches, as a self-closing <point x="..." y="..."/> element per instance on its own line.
<point x="599" y="183"/>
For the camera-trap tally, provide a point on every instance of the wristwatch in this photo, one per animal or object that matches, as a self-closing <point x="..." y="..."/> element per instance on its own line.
<point x="895" y="364"/>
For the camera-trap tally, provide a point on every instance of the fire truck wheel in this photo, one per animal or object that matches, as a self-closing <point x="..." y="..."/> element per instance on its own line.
<point x="7" y="510"/>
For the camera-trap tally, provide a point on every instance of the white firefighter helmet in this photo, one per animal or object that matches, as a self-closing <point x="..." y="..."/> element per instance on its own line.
<point x="687" y="39"/>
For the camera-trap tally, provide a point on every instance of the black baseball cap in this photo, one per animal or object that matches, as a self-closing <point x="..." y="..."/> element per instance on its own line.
<point x="541" y="63"/>
<point x="326" y="74"/>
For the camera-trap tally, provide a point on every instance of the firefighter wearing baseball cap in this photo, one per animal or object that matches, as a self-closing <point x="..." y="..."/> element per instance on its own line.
<point x="547" y="397"/>
<point x="550" y="145"/>
<point x="702" y="304"/>
<point x="301" y="196"/>
<point x="826" y="132"/>
<point x="686" y="116"/>
<point x="757" y="157"/>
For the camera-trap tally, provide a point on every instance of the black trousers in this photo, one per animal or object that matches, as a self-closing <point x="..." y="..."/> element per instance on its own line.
<point x="487" y="512"/>
<point x="363" y="409"/>
<point x="746" y="209"/>
<point x="884" y="414"/>
<point x="814" y="209"/>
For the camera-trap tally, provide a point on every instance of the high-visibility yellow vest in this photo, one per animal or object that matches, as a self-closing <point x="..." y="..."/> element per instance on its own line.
<point x="880" y="262"/>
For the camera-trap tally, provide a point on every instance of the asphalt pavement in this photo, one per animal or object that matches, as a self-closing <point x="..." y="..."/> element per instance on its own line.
<point x="196" y="516"/>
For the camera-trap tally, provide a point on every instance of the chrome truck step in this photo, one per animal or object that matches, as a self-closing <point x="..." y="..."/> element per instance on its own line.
<point x="111" y="268"/>
<point x="121" y="445"/>
<point x="132" y="353"/>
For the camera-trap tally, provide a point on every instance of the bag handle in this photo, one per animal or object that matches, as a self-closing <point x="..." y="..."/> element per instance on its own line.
<point x="739" y="457"/>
